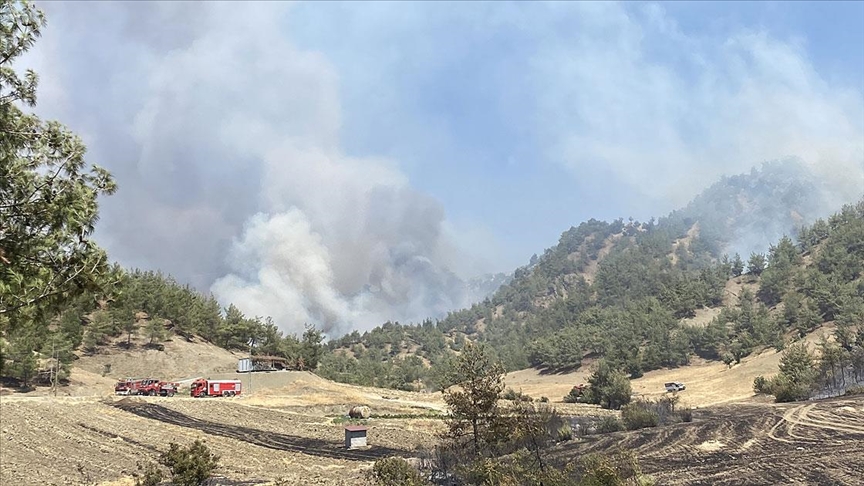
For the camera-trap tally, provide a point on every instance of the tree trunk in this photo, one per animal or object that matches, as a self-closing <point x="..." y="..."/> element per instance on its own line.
<point x="476" y="437"/>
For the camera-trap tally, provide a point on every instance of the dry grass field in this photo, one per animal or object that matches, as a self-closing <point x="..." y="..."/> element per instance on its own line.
<point x="289" y="429"/>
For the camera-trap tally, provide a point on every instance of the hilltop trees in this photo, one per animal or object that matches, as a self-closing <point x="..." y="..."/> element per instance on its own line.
<point x="756" y="264"/>
<point x="737" y="266"/>
<point x="636" y="312"/>
<point x="783" y="263"/>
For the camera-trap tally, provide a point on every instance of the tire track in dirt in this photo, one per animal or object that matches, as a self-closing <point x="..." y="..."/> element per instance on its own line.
<point x="800" y="417"/>
<point x="270" y="440"/>
<point x="827" y="420"/>
<point x="812" y="443"/>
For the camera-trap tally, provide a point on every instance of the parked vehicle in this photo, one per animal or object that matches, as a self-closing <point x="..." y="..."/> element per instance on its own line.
<point x="215" y="388"/>
<point x="124" y="386"/>
<point x="675" y="386"/>
<point x="146" y="386"/>
<point x="168" y="388"/>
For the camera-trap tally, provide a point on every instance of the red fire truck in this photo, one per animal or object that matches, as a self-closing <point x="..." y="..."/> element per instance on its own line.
<point x="146" y="386"/>
<point x="215" y="388"/>
<point x="124" y="387"/>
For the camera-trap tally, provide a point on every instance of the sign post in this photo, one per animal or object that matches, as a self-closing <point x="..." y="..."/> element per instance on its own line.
<point x="251" y="363"/>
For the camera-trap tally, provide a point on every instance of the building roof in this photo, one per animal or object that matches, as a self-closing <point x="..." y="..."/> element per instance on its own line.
<point x="275" y="359"/>
<point x="355" y="428"/>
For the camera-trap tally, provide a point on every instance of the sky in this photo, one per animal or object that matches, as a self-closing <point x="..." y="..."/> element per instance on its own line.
<point x="344" y="164"/>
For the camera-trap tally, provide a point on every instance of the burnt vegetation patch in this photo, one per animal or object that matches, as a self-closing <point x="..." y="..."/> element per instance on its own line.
<point x="263" y="438"/>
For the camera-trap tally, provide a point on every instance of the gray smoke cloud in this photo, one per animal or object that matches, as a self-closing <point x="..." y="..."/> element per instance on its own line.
<point x="224" y="138"/>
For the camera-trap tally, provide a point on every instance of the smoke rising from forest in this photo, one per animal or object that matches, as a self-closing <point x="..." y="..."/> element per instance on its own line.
<point x="226" y="138"/>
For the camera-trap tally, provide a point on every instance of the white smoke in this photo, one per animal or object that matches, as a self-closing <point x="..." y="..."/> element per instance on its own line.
<point x="344" y="242"/>
<point x="670" y="111"/>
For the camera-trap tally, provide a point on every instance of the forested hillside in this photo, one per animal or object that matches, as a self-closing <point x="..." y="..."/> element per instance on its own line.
<point x="626" y="292"/>
<point x="142" y="309"/>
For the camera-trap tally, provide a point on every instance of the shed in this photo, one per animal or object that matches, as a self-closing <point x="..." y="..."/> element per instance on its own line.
<point x="355" y="436"/>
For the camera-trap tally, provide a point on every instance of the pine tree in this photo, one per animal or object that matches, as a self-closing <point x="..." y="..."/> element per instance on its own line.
<point x="48" y="192"/>
<point x="756" y="264"/>
<point x="473" y="402"/>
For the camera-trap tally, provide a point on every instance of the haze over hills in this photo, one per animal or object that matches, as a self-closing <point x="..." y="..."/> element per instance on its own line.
<point x="747" y="212"/>
<point x="625" y="291"/>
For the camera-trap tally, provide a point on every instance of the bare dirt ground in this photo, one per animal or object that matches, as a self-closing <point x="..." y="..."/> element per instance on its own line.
<point x="264" y="437"/>
<point x="753" y="444"/>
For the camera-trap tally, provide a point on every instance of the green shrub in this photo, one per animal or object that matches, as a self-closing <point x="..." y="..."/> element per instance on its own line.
<point x="610" y="424"/>
<point x="395" y="471"/>
<point x="787" y="390"/>
<point x="638" y="416"/>
<point x="511" y="394"/>
<point x="761" y="385"/>
<point x="855" y="390"/>
<point x="564" y="431"/>
<point x="620" y="468"/>
<point x="571" y="397"/>
<point x="149" y="475"/>
<point x="189" y="466"/>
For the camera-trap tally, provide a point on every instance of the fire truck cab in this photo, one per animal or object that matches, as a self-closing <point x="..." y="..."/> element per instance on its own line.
<point x="124" y="387"/>
<point x="149" y="386"/>
<point x="215" y="388"/>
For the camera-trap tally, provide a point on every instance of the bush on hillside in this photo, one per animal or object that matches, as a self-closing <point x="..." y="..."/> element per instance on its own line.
<point x="511" y="394"/>
<point x="761" y="385"/>
<point x="639" y="416"/>
<point x="149" y="475"/>
<point x="189" y="466"/>
<point x="609" y="424"/>
<point x="619" y="468"/>
<point x="395" y="471"/>
<point x="608" y="388"/>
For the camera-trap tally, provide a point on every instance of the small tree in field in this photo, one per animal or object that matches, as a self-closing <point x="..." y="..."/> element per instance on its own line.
<point x="796" y="378"/>
<point x="473" y="403"/>
<point x="609" y="388"/>
<point x="189" y="466"/>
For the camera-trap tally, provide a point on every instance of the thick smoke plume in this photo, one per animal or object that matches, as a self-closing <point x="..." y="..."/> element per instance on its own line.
<point x="345" y="243"/>
<point x="225" y="140"/>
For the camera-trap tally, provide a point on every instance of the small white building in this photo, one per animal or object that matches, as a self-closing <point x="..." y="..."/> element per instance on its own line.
<point x="355" y="436"/>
